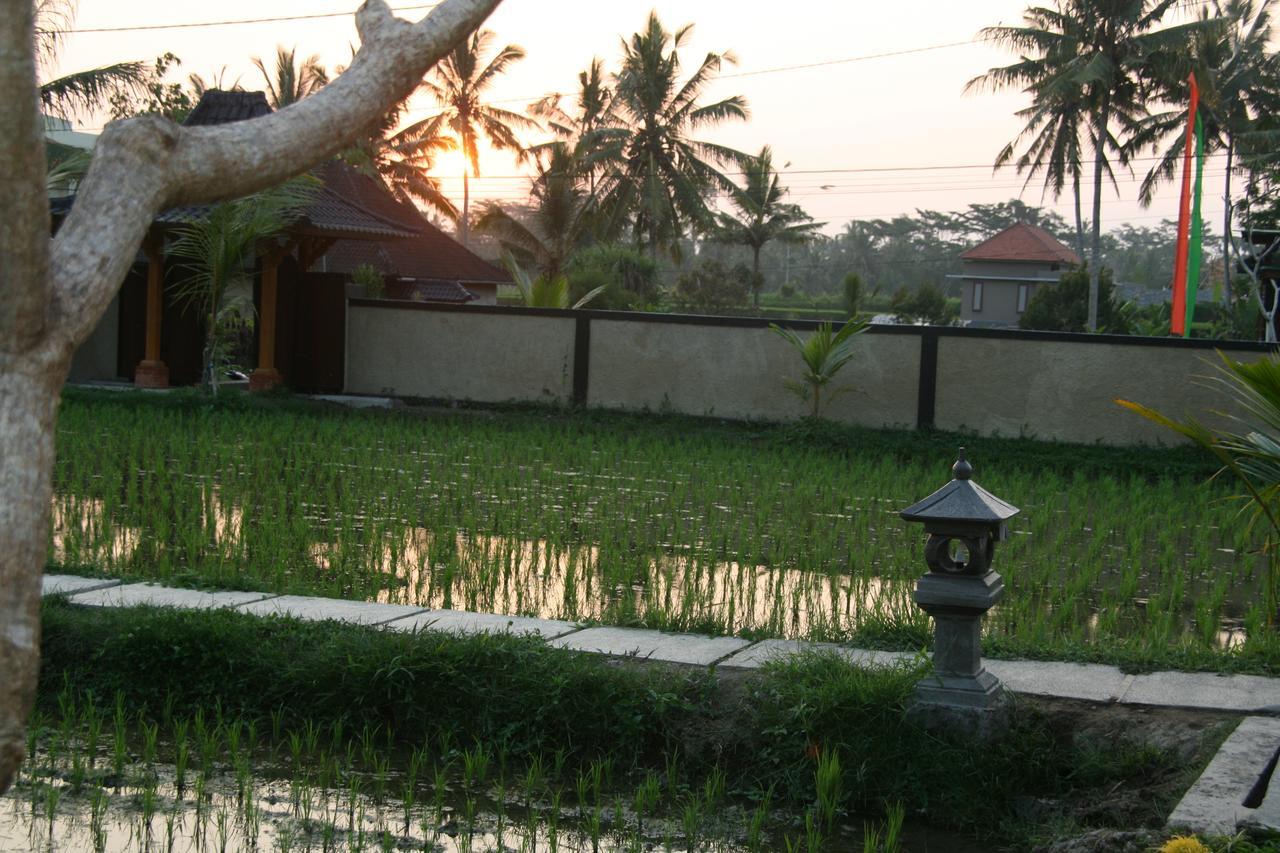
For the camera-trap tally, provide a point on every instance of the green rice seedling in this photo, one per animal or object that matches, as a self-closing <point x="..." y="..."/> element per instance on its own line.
<point x="671" y="762"/>
<point x="119" y="752"/>
<point x="475" y="767"/>
<point x="829" y="783"/>
<point x="691" y="818"/>
<point x="533" y="780"/>
<point x="170" y="827"/>
<point x="595" y="827"/>
<point x="381" y="772"/>
<point x="277" y="724"/>
<point x="97" y="811"/>
<point x="295" y="751"/>
<point x="408" y="798"/>
<point x="646" y="799"/>
<point x="150" y="740"/>
<point x="755" y="827"/>
<point x="713" y="789"/>
<point x="310" y="736"/>
<point x="468" y="825"/>
<point x="222" y="821"/>
<point x="895" y="816"/>
<point x="553" y="822"/>
<point x="52" y="796"/>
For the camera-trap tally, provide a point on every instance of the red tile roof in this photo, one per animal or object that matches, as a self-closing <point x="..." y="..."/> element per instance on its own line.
<point x="353" y="205"/>
<point x="1022" y="242"/>
<point x="430" y="254"/>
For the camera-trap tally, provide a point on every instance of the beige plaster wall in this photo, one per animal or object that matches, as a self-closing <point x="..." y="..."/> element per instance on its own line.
<point x="740" y="373"/>
<point x="457" y="355"/>
<point x="1065" y="391"/>
<point x="96" y="357"/>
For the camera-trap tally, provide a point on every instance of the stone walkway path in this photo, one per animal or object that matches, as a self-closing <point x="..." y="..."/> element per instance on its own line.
<point x="1247" y="694"/>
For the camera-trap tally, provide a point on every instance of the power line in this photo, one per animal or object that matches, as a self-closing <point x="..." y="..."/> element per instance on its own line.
<point x="232" y="22"/>
<point x="847" y="60"/>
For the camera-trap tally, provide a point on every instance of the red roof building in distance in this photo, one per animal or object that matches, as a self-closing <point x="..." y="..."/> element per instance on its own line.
<point x="1022" y="242"/>
<point x="1002" y="273"/>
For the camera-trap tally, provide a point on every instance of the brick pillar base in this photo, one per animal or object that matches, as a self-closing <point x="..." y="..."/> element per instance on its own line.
<point x="151" y="374"/>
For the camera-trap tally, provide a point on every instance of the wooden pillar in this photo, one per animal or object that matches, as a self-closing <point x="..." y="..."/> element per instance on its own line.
<point x="266" y="376"/>
<point x="152" y="372"/>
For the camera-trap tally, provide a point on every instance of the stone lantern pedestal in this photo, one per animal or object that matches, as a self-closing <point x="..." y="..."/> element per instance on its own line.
<point x="964" y="522"/>
<point x="957" y="606"/>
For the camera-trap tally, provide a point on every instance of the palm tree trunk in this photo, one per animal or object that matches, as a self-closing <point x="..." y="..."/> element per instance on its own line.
<point x="755" y="276"/>
<point x="1075" y="189"/>
<point x="466" y="206"/>
<point x="1226" y="222"/>
<point x="1095" y="257"/>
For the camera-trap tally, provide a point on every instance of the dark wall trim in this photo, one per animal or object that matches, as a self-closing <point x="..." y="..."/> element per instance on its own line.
<point x="928" y="392"/>
<point x="581" y="359"/>
<point x="811" y="325"/>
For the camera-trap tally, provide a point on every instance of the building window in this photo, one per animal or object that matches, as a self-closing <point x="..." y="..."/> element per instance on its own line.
<point x="1023" y="291"/>
<point x="977" y="296"/>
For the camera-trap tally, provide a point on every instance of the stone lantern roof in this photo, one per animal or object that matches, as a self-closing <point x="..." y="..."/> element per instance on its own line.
<point x="961" y="503"/>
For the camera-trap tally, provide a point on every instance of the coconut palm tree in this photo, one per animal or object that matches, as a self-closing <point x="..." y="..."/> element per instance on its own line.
<point x="403" y="161"/>
<point x="80" y="92"/>
<point x="290" y="82"/>
<point x="664" y="173"/>
<point x="1238" y="78"/>
<point x="561" y="217"/>
<point x="762" y="215"/>
<point x="458" y="84"/>
<point x="1091" y="53"/>
<point x="594" y="129"/>
<point x="1052" y="136"/>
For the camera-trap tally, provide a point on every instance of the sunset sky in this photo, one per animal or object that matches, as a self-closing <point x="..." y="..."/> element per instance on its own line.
<point x="866" y="135"/>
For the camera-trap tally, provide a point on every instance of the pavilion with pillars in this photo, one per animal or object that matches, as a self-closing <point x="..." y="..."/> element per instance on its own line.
<point x="327" y="218"/>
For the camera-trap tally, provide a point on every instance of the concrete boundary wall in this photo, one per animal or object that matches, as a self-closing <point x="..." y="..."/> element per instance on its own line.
<point x="1038" y="384"/>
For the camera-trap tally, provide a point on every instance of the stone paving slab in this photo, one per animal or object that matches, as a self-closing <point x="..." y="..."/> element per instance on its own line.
<point x="356" y="402"/>
<point x="1214" y="805"/>
<point x="70" y="584"/>
<point x="764" y="651"/>
<point x="319" y="609"/>
<point x="652" y="645"/>
<point x="1267" y="815"/>
<point x="154" y="595"/>
<point x="1206" y="691"/>
<point x="1090" y="682"/>
<point x="466" y="622"/>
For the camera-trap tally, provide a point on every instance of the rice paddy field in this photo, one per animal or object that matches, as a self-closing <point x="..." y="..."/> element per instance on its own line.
<point x="664" y="522"/>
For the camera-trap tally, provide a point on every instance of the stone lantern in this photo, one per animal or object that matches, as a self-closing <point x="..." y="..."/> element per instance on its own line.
<point x="963" y="522"/>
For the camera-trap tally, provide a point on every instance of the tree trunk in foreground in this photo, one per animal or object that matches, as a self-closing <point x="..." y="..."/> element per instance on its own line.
<point x="1095" y="254"/>
<point x="52" y="292"/>
<point x="1226" y="221"/>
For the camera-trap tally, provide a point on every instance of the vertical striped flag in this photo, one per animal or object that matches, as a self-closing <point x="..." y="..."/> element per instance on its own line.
<point x="1186" y="264"/>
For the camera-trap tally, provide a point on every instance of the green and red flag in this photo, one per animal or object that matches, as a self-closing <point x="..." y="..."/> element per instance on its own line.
<point x="1186" y="264"/>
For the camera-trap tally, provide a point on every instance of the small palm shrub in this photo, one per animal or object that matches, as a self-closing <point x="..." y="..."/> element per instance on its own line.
<point x="824" y="353"/>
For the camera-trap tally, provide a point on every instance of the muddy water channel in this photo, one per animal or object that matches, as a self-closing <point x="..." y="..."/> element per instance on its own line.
<point x="235" y="796"/>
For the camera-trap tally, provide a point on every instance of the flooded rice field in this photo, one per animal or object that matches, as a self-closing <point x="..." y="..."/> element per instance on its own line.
<point x="525" y="517"/>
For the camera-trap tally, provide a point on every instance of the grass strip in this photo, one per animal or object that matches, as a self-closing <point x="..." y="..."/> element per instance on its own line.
<point x="764" y="731"/>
